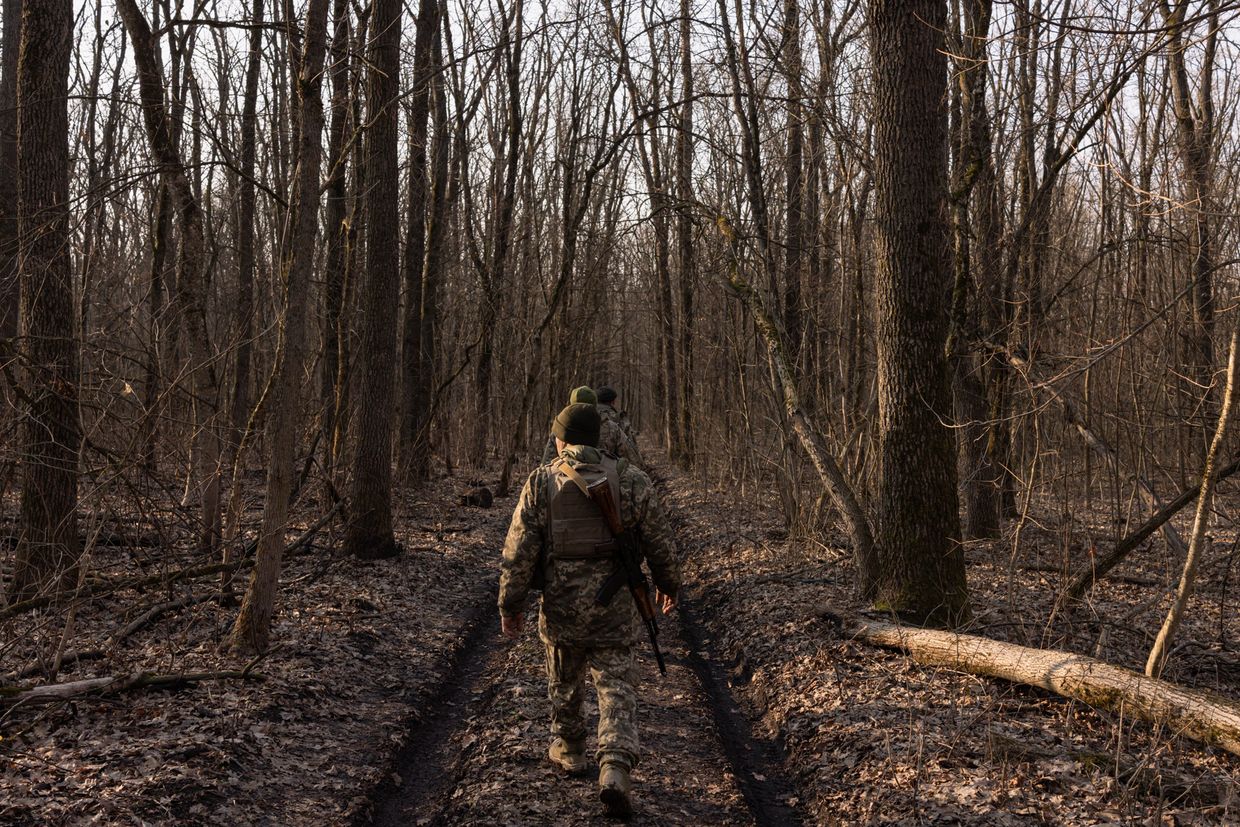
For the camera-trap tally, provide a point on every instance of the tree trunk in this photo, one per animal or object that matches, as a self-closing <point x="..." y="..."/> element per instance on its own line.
<point x="684" y="235"/>
<point x="245" y="241"/>
<point x="1200" y="715"/>
<point x="506" y="200"/>
<point x="192" y="265"/>
<point x="437" y="230"/>
<point x="922" y="566"/>
<point x="369" y="534"/>
<point x="48" y="546"/>
<point x="1162" y="644"/>
<point x="412" y="416"/>
<point x="10" y="292"/>
<point x="833" y="480"/>
<point x="793" y="180"/>
<point x="1195" y="139"/>
<point x="253" y="626"/>
<point x="338" y="233"/>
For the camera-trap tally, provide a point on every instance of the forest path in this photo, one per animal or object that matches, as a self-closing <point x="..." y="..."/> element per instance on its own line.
<point x="480" y="756"/>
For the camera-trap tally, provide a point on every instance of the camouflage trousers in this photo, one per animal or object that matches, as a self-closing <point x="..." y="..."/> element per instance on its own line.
<point x="614" y="672"/>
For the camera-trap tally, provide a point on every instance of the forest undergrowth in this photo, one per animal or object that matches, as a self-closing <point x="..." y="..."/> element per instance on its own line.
<point x="357" y="645"/>
<point x="869" y="736"/>
<point x="873" y="738"/>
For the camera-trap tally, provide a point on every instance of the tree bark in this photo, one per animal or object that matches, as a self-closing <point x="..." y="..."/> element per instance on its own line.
<point x="252" y="630"/>
<point x="412" y="454"/>
<point x="338" y="232"/>
<point x="684" y="236"/>
<point x="1201" y="715"/>
<point x="369" y="534"/>
<point x="192" y="265"/>
<point x="10" y="291"/>
<point x="48" y="546"/>
<point x="1162" y="644"/>
<point x="922" y="566"/>
<point x="1195" y="139"/>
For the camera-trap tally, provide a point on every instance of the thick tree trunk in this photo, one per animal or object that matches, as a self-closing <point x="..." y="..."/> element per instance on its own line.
<point x="369" y="533"/>
<point x="10" y="292"/>
<point x="1198" y="714"/>
<point x="922" y="566"/>
<point x="411" y="452"/>
<point x="252" y="629"/>
<point x="48" y="546"/>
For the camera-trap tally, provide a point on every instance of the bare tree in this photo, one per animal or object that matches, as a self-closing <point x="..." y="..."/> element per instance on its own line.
<point x="922" y="566"/>
<point x="48" y="544"/>
<point x="370" y="507"/>
<point x="252" y="630"/>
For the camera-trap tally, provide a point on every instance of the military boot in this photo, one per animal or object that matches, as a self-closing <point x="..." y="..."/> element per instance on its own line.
<point x="614" y="790"/>
<point x="568" y="756"/>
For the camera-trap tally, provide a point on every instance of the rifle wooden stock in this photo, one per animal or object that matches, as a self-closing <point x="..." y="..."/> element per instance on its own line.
<point x="600" y="492"/>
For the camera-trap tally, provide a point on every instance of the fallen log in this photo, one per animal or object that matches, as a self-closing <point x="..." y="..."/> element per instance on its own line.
<point x="111" y="685"/>
<point x="1194" y="713"/>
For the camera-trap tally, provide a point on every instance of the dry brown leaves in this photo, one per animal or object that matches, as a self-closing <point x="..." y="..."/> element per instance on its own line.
<point x="354" y="642"/>
<point x="874" y="739"/>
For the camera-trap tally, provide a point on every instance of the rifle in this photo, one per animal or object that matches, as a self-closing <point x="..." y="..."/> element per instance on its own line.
<point x="629" y="571"/>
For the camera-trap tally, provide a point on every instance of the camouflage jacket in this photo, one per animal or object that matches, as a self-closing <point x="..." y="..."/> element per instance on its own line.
<point x="568" y="613"/>
<point x="549" y="453"/>
<point x="616" y="435"/>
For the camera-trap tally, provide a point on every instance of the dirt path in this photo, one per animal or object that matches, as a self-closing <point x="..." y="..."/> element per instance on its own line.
<point x="481" y="759"/>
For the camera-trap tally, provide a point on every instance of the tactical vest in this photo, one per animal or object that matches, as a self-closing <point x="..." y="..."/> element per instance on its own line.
<point x="578" y="530"/>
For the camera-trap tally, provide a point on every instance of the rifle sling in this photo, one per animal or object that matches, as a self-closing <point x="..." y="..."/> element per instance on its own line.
<point x="571" y="472"/>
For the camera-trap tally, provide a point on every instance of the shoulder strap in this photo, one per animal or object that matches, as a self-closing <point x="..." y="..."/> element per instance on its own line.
<point x="571" y="472"/>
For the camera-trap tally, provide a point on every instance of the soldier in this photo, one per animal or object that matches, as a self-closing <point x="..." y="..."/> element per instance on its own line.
<point x="617" y="436"/>
<point x="558" y="537"/>
<point x="582" y="394"/>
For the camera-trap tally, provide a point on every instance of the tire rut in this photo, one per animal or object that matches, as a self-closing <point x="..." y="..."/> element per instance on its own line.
<point x="425" y="769"/>
<point x="475" y="753"/>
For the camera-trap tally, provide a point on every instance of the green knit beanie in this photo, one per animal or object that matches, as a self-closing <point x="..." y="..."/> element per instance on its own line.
<point x="578" y="424"/>
<point x="583" y="394"/>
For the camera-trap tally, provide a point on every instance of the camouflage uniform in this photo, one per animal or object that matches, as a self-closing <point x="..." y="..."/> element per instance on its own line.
<point x="616" y="435"/>
<point x="549" y="451"/>
<point x="579" y="633"/>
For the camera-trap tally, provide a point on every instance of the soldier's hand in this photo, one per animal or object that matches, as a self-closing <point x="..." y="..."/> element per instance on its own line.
<point x="512" y="626"/>
<point x="666" y="602"/>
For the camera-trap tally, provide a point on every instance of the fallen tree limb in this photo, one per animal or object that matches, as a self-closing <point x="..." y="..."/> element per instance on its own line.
<point x="165" y="578"/>
<point x="1194" y="713"/>
<point x="1087" y="577"/>
<point x="148" y="615"/>
<point x="111" y="685"/>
